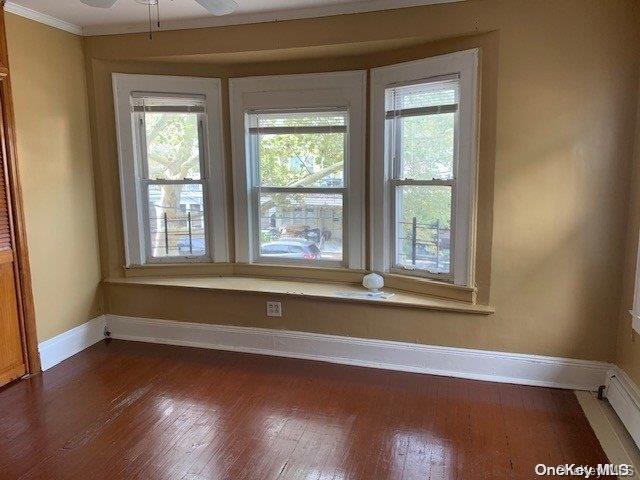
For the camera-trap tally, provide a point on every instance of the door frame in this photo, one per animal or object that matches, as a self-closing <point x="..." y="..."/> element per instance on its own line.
<point x="26" y="309"/>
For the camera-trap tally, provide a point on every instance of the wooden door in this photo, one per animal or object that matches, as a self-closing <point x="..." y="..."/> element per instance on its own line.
<point x="18" y="339"/>
<point x="12" y="354"/>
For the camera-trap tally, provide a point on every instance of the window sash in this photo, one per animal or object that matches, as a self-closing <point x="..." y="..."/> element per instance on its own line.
<point x="402" y="269"/>
<point x="145" y="182"/>
<point x="395" y="142"/>
<point x="257" y="253"/>
<point x="257" y="189"/>
<point x="144" y="159"/>
<point x="394" y="125"/>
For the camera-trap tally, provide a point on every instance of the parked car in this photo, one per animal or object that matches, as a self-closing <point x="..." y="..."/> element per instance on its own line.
<point x="291" y="248"/>
<point x="197" y="246"/>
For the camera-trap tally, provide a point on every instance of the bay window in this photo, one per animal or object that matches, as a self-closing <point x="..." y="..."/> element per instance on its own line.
<point x="298" y="156"/>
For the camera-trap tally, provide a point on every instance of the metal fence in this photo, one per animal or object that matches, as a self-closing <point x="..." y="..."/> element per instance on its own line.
<point x="187" y="229"/>
<point x="425" y="244"/>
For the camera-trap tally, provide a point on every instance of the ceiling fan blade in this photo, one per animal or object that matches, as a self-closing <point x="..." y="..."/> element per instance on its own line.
<point x="99" y="3"/>
<point x="219" y="7"/>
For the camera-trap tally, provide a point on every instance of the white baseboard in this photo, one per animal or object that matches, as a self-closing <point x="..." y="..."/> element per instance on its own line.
<point x="624" y="396"/>
<point x="408" y="357"/>
<point x="63" y="346"/>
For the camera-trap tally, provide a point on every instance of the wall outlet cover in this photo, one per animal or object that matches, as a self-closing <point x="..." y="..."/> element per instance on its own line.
<point x="274" y="309"/>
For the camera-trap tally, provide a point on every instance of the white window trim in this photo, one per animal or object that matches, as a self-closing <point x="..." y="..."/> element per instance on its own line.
<point x="322" y="90"/>
<point x="132" y="211"/>
<point x="464" y="64"/>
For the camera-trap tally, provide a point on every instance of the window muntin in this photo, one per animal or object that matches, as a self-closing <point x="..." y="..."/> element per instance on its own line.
<point x="421" y="122"/>
<point x="173" y="176"/>
<point x="298" y="161"/>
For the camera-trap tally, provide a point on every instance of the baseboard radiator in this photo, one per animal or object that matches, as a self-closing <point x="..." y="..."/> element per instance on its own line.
<point x="624" y="397"/>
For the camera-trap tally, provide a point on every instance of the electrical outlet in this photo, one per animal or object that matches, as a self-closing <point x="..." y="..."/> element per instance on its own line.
<point x="274" y="309"/>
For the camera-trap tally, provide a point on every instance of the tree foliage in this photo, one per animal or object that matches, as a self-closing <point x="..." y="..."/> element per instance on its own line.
<point x="172" y="145"/>
<point x="290" y="158"/>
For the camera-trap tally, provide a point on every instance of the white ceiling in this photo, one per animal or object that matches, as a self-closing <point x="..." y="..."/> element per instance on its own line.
<point x="129" y="16"/>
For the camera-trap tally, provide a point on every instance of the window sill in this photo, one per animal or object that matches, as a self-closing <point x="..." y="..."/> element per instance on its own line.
<point x="335" y="291"/>
<point x="406" y="283"/>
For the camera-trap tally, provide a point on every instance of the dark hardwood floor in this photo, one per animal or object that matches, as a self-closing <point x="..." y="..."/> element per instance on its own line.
<point x="125" y="410"/>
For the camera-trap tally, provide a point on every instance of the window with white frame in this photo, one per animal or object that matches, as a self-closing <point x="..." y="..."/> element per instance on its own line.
<point x="171" y="168"/>
<point x="299" y="144"/>
<point x="423" y="163"/>
<point x="299" y="163"/>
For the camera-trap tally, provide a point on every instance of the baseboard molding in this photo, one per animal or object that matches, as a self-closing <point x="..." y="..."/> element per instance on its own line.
<point x="63" y="346"/>
<point x="624" y="396"/>
<point x="408" y="357"/>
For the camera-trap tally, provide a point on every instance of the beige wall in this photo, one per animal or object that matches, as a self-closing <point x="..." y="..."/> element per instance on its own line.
<point x="628" y="348"/>
<point x="54" y="155"/>
<point x="553" y="222"/>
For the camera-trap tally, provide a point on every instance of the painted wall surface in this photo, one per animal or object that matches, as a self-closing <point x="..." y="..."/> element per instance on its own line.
<point x="555" y="181"/>
<point x="628" y="348"/>
<point x="54" y="156"/>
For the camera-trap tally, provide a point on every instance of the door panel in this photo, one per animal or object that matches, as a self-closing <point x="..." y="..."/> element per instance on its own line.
<point x="12" y="360"/>
<point x="12" y="363"/>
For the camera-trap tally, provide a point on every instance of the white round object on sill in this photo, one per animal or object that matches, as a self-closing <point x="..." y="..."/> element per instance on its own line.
<point x="373" y="282"/>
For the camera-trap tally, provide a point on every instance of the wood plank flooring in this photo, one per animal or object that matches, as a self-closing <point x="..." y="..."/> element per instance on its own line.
<point x="126" y="410"/>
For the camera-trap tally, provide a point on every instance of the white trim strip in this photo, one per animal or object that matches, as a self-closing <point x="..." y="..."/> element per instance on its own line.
<point x="42" y="18"/>
<point x="407" y="357"/>
<point x="63" y="346"/>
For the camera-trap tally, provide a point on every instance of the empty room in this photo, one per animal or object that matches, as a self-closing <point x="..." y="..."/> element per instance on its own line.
<point x="319" y="239"/>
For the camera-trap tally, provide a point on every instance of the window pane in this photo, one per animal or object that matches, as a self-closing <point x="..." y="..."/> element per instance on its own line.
<point x="173" y="147"/>
<point x="422" y="120"/>
<point x="427" y="146"/>
<point x="301" y="149"/>
<point x="301" y="226"/>
<point x="176" y="220"/>
<point x="423" y="229"/>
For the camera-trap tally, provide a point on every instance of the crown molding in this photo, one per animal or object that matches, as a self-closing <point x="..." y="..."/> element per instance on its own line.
<point x="42" y="18"/>
<point x="360" y="6"/>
